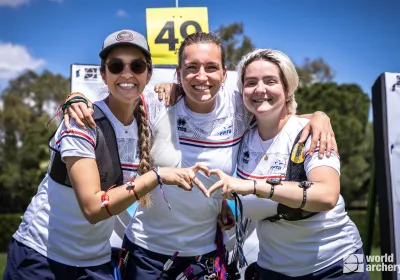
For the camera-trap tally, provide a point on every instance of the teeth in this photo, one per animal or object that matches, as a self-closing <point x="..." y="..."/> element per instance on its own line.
<point x="202" y="87"/>
<point x="126" y="85"/>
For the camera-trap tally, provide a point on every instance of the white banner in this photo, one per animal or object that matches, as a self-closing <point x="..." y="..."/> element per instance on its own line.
<point x="393" y="119"/>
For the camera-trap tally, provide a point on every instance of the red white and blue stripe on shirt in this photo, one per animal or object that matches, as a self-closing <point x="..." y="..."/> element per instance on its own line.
<point x="209" y="144"/>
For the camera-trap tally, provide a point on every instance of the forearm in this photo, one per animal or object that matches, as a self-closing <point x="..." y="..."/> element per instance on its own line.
<point x="306" y="116"/>
<point x="121" y="197"/>
<point x="319" y="197"/>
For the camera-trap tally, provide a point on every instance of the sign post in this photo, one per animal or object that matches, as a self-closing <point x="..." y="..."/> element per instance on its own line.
<point x="168" y="27"/>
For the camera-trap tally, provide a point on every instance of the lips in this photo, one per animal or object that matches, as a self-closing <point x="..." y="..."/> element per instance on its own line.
<point x="202" y="88"/>
<point x="127" y="85"/>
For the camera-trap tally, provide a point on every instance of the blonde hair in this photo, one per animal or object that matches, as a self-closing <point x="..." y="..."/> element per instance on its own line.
<point x="288" y="73"/>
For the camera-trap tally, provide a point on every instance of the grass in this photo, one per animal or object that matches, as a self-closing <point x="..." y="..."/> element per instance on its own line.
<point x="3" y="260"/>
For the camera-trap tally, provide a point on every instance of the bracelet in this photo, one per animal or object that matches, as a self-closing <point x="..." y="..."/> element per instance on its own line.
<point x="271" y="192"/>
<point x="155" y="169"/>
<point x="255" y="187"/>
<point x="105" y="200"/>
<point x="160" y="183"/>
<point x="75" y="99"/>
<point x="131" y="183"/>
<point x="304" y="185"/>
<point x="273" y="182"/>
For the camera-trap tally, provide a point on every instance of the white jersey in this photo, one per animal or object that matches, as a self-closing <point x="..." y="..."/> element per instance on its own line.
<point x="293" y="248"/>
<point x="53" y="223"/>
<point x="212" y="139"/>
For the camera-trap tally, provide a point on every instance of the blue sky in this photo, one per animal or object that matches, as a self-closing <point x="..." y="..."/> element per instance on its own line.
<point x="358" y="39"/>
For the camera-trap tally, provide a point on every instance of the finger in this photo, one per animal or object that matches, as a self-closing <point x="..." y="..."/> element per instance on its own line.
<point x="161" y="93"/>
<point x="174" y="93"/>
<point x="322" y="145"/>
<point x="304" y="135"/>
<point x="328" y="145"/>
<point x="185" y="185"/>
<point x="167" y="99"/>
<point x="66" y="121"/>
<point x="314" y="143"/>
<point x="215" y="187"/>
<point x="334" y="144"/>
<point x="200" y="166"/>
<point x="217" y="172"/>
<point x="75" y="118"/>
<point x="203" y="189"/>
<point x="88" y="116"/>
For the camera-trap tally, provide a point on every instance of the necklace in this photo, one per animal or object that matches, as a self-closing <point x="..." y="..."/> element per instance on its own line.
<point x="271" y="146"/>
<point x="273" y="142"/>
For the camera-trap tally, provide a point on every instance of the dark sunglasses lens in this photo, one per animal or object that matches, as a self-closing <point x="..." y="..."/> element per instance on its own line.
<point x="115" y="66"/>
<point x="138" y="66"/>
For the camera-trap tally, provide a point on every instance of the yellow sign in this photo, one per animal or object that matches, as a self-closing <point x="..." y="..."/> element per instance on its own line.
<point x="168" y="27"/>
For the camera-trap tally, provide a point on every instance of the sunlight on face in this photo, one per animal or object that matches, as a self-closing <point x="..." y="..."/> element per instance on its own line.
<point x="263" y="90"/>
<point x="201" y="74"/>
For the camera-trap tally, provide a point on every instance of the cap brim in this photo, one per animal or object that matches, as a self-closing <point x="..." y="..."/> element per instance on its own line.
<point x="104" y="52"/>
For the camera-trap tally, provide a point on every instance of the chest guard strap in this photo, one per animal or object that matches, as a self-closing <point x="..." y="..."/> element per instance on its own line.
<point x="106" y="152"/>
<point x="295" y="173"/>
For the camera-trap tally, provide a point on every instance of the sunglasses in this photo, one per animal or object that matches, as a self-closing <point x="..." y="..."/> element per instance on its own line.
<point x="116" y="66"/>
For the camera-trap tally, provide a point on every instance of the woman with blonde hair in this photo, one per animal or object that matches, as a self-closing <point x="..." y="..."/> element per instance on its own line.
<point x="302" y="225"/>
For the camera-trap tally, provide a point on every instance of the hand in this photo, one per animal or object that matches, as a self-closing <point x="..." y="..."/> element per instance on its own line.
<point x="80" y="113"/>
<point x="226" y="219"/>
<point x="321" y="129"/>
<point x="168" y="92"/>
<point x="184" y="177"/>
<point x="229" y="185"/>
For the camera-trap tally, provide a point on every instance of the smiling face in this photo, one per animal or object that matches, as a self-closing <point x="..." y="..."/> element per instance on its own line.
<point x="125" y="86"/>
<point x="263" y="89"/>
<point x="201" y="74"/>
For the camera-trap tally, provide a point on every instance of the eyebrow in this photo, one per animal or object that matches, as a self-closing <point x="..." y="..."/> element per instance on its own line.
<point x="268" y="77"/>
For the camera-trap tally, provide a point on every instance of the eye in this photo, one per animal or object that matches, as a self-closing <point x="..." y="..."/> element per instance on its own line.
<point x="212" y="68"/>
<point x="250" y="84"/>
<point x="272" y="82"/>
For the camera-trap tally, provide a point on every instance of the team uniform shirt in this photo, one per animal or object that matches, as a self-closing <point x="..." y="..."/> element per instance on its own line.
<point x="293" y="248"/>
<point x="212" y="139"/>
<point x="53" y="223"/>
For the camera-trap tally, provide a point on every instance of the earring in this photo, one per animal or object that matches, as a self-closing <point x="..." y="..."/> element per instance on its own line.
<point x="222" y="86"/>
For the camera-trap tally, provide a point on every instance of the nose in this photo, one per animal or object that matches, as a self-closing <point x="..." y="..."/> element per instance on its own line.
<point x="127" y="72"/>
<point x="260" y="88"/>
<point x="201" y="75"/>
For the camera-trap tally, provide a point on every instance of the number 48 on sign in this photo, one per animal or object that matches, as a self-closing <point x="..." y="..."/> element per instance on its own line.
<point x="168" y="27"/>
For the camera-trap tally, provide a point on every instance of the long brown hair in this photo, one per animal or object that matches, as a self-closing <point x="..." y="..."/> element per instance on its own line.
<point x="140" y="115"/>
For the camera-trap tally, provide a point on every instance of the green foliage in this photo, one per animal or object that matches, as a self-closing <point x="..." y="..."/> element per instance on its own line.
<point x="27" y="103"/>
<point x="9" y="224"/>
<point x="235" y="42"/>
<point x="315" y="71"/>
<point x="348" y="108"/>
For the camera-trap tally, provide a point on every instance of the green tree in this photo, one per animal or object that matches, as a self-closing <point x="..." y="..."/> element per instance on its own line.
<point x="314" y="71"/>
<point x="27" y="103"/>
<point x="235" y="42"/>
<point x="348" y="107"/>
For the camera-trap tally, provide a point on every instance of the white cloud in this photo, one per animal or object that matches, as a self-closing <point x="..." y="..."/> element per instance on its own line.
<point x="14" y="59"/>
<point x="121" y="13"/>
<point x="13" y="3"/>
<point x="17" y="3"/>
